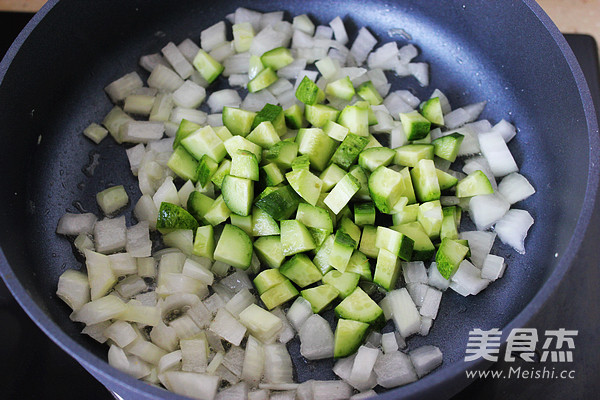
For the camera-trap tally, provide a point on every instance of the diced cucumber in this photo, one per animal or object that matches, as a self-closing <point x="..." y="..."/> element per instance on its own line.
<point x="423" y="248"/>
<point x="407" y="214"/>
<point x="409" y="191"/>
<point x="370" y="113"/>
<point x="279" y="203"/>
<point x="363" y="179"/>
<point x="172" y="217"/>
<point x="185" y="129"/>
<point x="318" y="115"/>
<point x="409" y="155"/>
<point x="447" y="147"/>
<point x="330" y="176"/>
<point x="301" y="270"/>
<point x="263" y="224"/>
<point x="476" y="183"/>
<point x="367" y="241"/>
<point x="321" y="258"/>
<point x="183" y="164"/>
<point x="335" y="131"/>
<point x="277" y="58"/>
<point x="218" y="212"/>
<point x="371" y="159"/>
<point x="301" y="162"/>
<point x="268" y="249"/>
<point x="205" y="141"/>
<point x="275" y="115"/>
<point x="348" y="151"/>
<point x="272" y="174"/>
<point x="238" y="194"/>
<point x="244" y="222"/>
<point x="432" y="110"/>
<point x="320" y="296"/>
<point x="368" y="93"/>
<point x="445" y="180"/>
<point x="221" y="172"/>
<point x="425" y="182"/>
<point x="308" y="92"/>
<point x="264" y="135"/>
<point x="222" y="132"/>
<point x="208" y="67"/>
<point x="244" y="165"/>
<point x="356" y="119"/>
<point x="344" y="282"/>
<point x="430" y="217"/>
<point x="238" y="121"/>
<point x="449" y="227"/>
<point x="264" y="79"/>
<point x="238" y="143"/>
<point x="386" y="269"/>
<point x="449" y="256"/>
<point x="294" y="117"/>
<point x="234" y="247"/>
<point x="395" y="242"/>
<point x="268" y="279"/>
<point x="279" y="294"/>
<point x="358" y="306"/>
<point x="254" y="66"/>
<point x="348" y="337"/>
<point x="282" y="154"/>
<point x="341" y="251"/>
<point x="206" y="168"/>
<point x="314" y="217"/>
<point x="359" y="264"/>
<point x="350" y="228"/>
<point x="204" y="242"/>
<point x="317" y="145"/>
<point x="341" y="194"/>
<point x="198" y="205"/>
<point x="364" y="214"/>
<point x="307" y="185"/>
<point x="386" y="187"/>
<point x="295" y="238"/>
<point x="319" y="235"/>
<point x="341" y="88"/>
<point x="415" y="125"/>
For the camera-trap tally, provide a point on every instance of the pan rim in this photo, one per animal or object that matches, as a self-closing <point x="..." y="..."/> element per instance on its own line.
<point x="106" y="374"/>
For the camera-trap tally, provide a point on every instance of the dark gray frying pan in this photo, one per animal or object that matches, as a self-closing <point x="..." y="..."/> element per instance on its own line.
<point x="506" y="52"/>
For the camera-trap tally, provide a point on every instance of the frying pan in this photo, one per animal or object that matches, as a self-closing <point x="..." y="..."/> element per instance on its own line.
<point x="506" y="52"/>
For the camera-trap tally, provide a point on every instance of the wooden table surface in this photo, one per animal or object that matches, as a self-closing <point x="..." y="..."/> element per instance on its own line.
<point x="571" y="16"/>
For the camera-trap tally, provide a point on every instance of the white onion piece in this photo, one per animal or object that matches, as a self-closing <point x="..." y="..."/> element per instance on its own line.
<point x="239" y="391"/>
<point x="131" y="286"/>
<point x="417" y="292"/>
<point x="124" y="86"/>
<point x="481" y="164"/>
<point x="292" y="70"/>
<point x="394" y="369"/>
<point x="100" y="310"/>
<point x="385" y="57"/>
<point x="456" y="118"/>
<point x="426" y="324"/>
<point x="189" y="95"/>
<point x="267" y="39"/>
<point x="397" y="137"/>
<point x="138" y="240"/>
<point x="431" y="303"/>
<point x="485" y="210"/>
<point x="343" y="369"/>
<point x="164" y="79"/>
<point x="214" y="302"/>
<point x="73" y="288"/>
<point x="254" y="362"/>
<point x="240" y="80"/>
<point x="256" y="101"/>
<point x="467" y="279"/>
<point x="237" y="281"/>
<point x="135" y="155"/>
<point x="425" y="359"/>
<point x="278" y="364"/>
<point x="96" y="331"/>
<point x="130" y="365"/>
<point x="237" y="64"/>
<point x="76" y="224"/>
<point x="404" y="312"/>
<point x="330" y="390"/>
<point x="179" y="63"/>
<point x="323" y="32"/>
<point x="240" y="302"/>
<point x="515" y="187"/>
<point x="373" y="339"/>
<point x="222" y="98"/>
<point x="339" y="30"/>
<point x="188" y="48"/>
<point x="270" y="18"/>
<point x="364" y="395"/>
<point x="299" y="312"/>
<point x="316" y="338"/>
<point x="362" y="45"/>
<point x="150" y="61"/>
<point x="480" y="245"/>
<point x="286" y="333"/>
<point x="164" y="336"/>
<point x="110" y="234"/>
<point x="414" y="272"/>
<point x="180" y="113"/>
<point x="244" y="15"/>
<point x="196" y="386"/>
<point x="261" y="394"/>
<point x="167" y="192"/>
<point x="386" y="308"/>
<point x="444" y="103"/>
<point x="420" y="71"/>
<point x="494" y="149"/>
<point x="506" y="129"/>
<point x="234" y="360"/>
<point x="407" y="53"/>
<point x="396" y="104"/>
<point x="194" y="357"/>
<point x="363" y="364"/>
<point x="512" y="228"/>
<point x="226" y="326"/>
<point x="493" y="267"/>
<point x="389" y="343"/>
<point x="222" y="52"/>
<point x="435" y="278"/>
<point x="170" y="361"/>
<point x="213" y="36"/>
<point x="214" y="120"/>
<point x="145" y="210"/>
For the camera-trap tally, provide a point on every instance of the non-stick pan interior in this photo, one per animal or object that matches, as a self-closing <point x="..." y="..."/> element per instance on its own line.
<point x="477" y="51"/>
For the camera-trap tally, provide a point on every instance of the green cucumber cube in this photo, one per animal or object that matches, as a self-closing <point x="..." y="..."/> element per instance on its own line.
<point x="308" y="92"/>
<point x="301" y="270"/>
<point x="425" y="181"/>
<point x="238" y="121"/>
<point x="344" y="282"/>
<point x="356" y="119"/>
<point x="341" y="88"/>
<point x="348" y="337"/>
<point x="368" y="240"/>
<point x="244" y="165"/>
<point x="386" y="269"/>
<point x="205" y="141"/>
<point x="386" y="187"/>
<point x="275" y="115"/>
<point x="172" y="217"/>
<point x="238" y="194"/>
<point x="368" y="93"/>
<point x="269" y="250"/>
<point x="476" y="183"/>
<point x="204" y="242"/>
<point x="295" y="238"/>
<point x="358" y="306"/>
<point x="318" y="115"/>
<point x="234" y="247"/>
<point x="277" y="58"/>
<point x="447" y="147"/>
<point x="282" y="154"/>
<point x="341" y="194"/>
<point x="320" y="297"/>
<point x="432" y="110"/>
<point x="415" y="125"/>
<point x="364" y="214"/>
<point x="348" y="151"/>
<point x="268" y="279"/>
<point x="317" y="145"/>
<point x="409" y="155"/>
<point x="208" y="67"/>
<point x="279" y="294"/>
<point x="449" y="256"/>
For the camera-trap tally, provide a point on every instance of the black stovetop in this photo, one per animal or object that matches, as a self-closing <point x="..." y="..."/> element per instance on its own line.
<point x="33" y="367"/>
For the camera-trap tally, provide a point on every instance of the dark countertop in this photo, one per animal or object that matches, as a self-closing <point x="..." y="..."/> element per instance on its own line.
<point x="30" y="357"/>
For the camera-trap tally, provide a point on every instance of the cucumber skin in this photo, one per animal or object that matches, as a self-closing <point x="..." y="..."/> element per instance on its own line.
<point x="354" y="335"/>
<point x="349" y="150"/>
<point x="171" y="216"/>
<point x="280" y="203"/>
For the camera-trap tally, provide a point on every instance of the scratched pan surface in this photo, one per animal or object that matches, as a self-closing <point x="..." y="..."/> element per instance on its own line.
<point x="505" y="52"/>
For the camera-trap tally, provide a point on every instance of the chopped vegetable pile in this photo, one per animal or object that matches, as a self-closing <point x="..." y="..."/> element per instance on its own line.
<point x="283" y="204"/>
